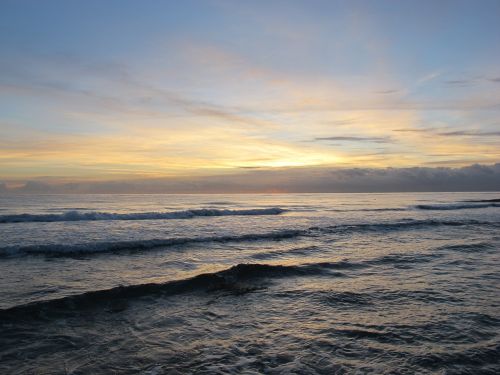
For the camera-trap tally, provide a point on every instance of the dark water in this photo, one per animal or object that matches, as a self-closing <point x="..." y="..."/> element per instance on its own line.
<point x="305" y="284"/>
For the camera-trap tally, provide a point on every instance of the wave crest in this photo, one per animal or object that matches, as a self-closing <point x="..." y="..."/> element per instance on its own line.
<point x="455" y="206"/>
<point x="236" y="280"/>
<point x="94" y="216"/>
<point x="148" y="244"/>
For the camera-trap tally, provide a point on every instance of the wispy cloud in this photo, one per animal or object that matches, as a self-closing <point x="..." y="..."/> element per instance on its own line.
<point x="118" y="92"/>
<point x="356" y="139"/>
<point x="423" y="131"/>
<point x="470" y="133"/>
<point x="385" y="92"/>
<point x="451" y="133"/>
<point x="343" y="122"/>
<point x="460" y="82"/>
<point x="427" y="78"/>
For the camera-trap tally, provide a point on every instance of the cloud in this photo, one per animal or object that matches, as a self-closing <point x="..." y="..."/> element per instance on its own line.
<point x="459" y="82"/>
<point x="108" y="119"/>
<point x="343" y="122"/>
<point x="452" y="162"/>
<point x="387" y="92"/>
<point x="356" y="139"/>
<point x="453" y="133"/>
<point x="468" y="133"/>
<point x="427" y="78"/>
<point x="114" y="89"/>
<point x="428" y="130"/>
<point x="295" y="180"/>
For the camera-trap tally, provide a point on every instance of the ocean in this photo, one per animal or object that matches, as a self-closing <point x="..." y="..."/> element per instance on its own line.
<point x="399" y="283"/>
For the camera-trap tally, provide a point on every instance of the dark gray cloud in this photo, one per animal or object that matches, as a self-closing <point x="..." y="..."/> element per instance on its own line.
<point x="474" y="177"/>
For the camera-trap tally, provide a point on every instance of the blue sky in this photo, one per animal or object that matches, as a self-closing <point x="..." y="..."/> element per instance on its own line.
<point x="96" y="90"/>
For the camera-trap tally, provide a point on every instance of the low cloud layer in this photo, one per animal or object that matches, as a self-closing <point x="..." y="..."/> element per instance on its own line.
<point x="294" y="180"/>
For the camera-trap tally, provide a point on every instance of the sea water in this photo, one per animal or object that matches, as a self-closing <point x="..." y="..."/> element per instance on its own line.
<point x="250" y="284"/>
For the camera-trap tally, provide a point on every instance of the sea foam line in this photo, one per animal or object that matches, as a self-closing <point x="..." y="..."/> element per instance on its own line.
<point x="93" y="216"/>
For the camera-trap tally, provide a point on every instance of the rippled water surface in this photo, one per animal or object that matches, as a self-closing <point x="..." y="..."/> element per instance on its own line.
<point x="250" y="284"/>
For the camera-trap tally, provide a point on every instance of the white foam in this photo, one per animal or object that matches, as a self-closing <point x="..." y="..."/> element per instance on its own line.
<point x="93" y="216"/>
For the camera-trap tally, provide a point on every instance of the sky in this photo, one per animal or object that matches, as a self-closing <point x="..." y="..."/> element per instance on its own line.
<point x="120" y="90"/>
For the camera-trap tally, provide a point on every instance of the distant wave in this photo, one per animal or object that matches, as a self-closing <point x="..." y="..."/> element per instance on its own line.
<point x="497" y="200"/>
<point x="369" y="209"/>
<point x="455" y="206"/>
<point x="93" y="216"/>
<point x="236" y="279"/>
<point x="139" y="245"/>
<point x="148" y="244"/>
<point x="220" y="203"/>
<point x="400" y="225"/>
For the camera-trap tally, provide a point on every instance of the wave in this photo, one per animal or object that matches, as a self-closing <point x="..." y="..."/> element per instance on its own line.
<point x="236" y="280"/>
<point x="468" y="247"/>
<point x="149" y="244"/>
<point x="479" y="355"/>
<point x="241" y="279"/>
<point x="139" y="245"/>
<point x="397" y="259"/>
<point x="382" y="209"/>
<point x="295" y="252"/>
<point x="404" y="224"/>
<point x="93" y="216"/>
<point x="455" y="206"/>
<point x="497" y="200"/>
<point x="339" y="299"/>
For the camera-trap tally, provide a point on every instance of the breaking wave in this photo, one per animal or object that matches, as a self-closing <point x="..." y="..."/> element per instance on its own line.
<point x="456" y="206"/>
<point x="139" y="245"/>
<point x="93" y="216"/>
<point x="148" y="244"/>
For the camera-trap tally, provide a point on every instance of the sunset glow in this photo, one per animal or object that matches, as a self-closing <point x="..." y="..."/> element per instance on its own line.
<point x="248" y="85"/>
